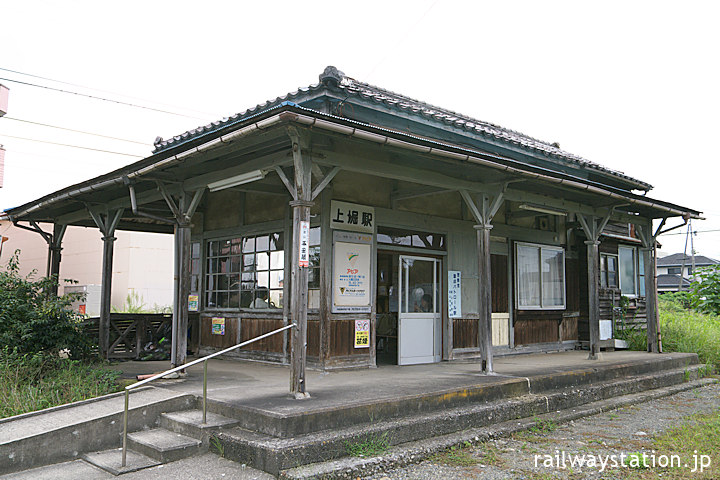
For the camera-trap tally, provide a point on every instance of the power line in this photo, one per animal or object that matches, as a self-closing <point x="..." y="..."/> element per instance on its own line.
<point x="95" y="97"/>
<point x="72" y="146"/>
<point x="77" y="131"/>
<point x="107" y="91"/>
<point x="694" y="232"/>
<point x="104" y="91"/>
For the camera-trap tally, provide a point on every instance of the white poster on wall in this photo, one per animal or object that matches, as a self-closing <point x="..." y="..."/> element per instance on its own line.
<point x="351" y="277"/>
<point x="454" y="297"/>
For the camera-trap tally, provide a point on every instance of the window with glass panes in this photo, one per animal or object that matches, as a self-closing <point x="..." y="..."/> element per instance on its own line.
<point x="314" y="269"/>
<point x="608" y="271"/>
<point x="540" y="277"/>
<point x="245" y="272"/>
<point x="222" y="279"/>
<point x="263" y="271"/>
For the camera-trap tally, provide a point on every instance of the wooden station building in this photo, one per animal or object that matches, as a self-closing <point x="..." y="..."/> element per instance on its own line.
<point x="387" y="229"/>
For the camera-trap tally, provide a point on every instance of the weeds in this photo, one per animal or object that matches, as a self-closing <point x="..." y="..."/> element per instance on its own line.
<point x="36" y="381"/>
<point x="216" y="446"/>
<point x="370" y="445"/>
<point x="455" y="457"/>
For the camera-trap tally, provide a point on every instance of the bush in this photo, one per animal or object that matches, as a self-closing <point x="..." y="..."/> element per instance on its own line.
<point x="32" y="320"/>
<point x="704" y="292"/>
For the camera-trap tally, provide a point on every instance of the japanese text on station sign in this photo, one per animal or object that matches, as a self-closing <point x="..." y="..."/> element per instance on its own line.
<point x="352" y="217"/>
<point x="304" y="244"/>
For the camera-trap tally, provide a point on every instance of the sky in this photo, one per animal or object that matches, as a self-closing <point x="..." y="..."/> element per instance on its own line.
<point x="632" y="85"/>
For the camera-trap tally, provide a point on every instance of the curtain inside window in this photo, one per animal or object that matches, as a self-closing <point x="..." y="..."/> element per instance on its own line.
<point x="553" y="280"/>
<point x="528" y="268"/>
<point x="627" y="271"/>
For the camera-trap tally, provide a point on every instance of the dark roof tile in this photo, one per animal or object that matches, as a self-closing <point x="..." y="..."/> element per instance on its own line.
<point x="334" y="79"/>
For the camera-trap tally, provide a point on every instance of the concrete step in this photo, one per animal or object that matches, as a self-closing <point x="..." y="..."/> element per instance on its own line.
<point x="351" y="468"/>
<point x="305" y="421"/>
<point x="189" y="422"/>
<point x="62" y="433"/>
<point x="111" y="461"/>
<point x="274" y="454"/>
<point x="72" y="470"/>
<point x="164" y="445"/>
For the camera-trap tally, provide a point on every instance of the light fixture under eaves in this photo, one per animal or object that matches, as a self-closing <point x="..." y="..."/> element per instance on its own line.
<point x="541" y="209"/>
<point x="236" y="180"/>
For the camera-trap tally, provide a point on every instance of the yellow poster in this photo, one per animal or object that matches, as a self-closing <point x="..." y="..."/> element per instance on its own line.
<point x="362" y="333"/>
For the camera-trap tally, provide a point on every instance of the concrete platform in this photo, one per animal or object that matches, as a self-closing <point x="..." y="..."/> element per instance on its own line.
<point x="260" y="424"/>
<point x="265" y="387"/>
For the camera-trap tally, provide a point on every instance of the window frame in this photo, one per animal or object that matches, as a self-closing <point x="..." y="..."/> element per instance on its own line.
<point x="205" y="245"/>
<point x="604" y="272"/>
<point x="636" y="269"/>
<point x="540" y="247"/>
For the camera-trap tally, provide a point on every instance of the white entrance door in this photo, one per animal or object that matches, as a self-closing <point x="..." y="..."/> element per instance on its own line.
<point x="419" y="318"/>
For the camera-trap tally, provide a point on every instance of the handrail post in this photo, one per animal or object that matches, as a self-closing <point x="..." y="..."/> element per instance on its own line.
<point x="125" y="425"/>
<point x="205" y="391"/>
<point x="204" y="360"/>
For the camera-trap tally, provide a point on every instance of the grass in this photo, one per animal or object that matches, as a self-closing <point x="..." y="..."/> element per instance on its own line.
<point x="685" y="330"/>
<point x="459" y="456"/>
<point x="369" y="446"/>
<point x="698" y="433"/>
<point x="34" y="382"/>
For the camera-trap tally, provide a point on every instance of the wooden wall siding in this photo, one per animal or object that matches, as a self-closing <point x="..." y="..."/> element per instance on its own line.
<point x="572" y="285"/>
<point x="499" y="283"/>
<point x="313" y="338"/>
<point x="217" y="215"/>
<point x="208" y="339"/>
<point x="465" y="332"/>
<point x="529" y="330"/>
<point x="253" y="327"/>
<point x="617" y="229"/>
<point x="635" y="315"/>
<point x="569" y="329"/>
<point x="342" y="339"/>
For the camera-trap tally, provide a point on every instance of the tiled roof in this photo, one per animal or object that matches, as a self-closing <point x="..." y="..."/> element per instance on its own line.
<point x="677" y="259"/>
<point x="671" y="281"/>
<point x="335" y="80"/>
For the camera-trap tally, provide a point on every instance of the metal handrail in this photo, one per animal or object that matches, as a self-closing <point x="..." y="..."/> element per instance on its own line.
<point x="182" y="367"/>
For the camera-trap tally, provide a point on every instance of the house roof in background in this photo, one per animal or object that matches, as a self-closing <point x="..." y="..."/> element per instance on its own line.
<point x="678" y="259"/>
<point x="336" y="82"/>
<point x="671" y="281"/>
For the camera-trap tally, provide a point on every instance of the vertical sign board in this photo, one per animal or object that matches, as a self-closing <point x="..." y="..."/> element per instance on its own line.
<point x="352" y="276"/>
<point x="304" y="244"/>
<point x="362" y="333"/>
<point x="454" y="297"/>
<point x="218" y="325"/>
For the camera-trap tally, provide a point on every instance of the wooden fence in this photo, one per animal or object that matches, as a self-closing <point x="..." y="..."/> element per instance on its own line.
<point x="130" y="332"/>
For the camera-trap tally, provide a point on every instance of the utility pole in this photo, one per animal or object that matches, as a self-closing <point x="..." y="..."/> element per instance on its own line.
<point x="3" y="110"/>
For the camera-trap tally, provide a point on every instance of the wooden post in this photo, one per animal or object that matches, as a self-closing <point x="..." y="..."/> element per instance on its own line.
<point x="106" y="293"/>
<point x="651" y="299"/>
<point x="54" y="249"/>
<point x="182" y="289"/>
<point x="484" y="297"/>
<point x="299" y="274"/>
<point x="106" y="223"/>
<point x="593" y="260"/>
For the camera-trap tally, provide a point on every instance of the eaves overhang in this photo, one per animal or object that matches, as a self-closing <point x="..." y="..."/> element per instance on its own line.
<point x="289" y="112"/>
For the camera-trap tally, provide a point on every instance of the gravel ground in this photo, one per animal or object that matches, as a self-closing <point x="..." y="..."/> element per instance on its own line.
<point x="625" y="431"/>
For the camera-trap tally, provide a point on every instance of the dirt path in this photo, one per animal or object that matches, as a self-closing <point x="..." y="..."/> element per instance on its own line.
<point x="618" y="437"/>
